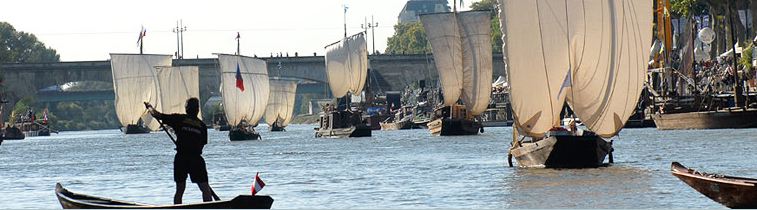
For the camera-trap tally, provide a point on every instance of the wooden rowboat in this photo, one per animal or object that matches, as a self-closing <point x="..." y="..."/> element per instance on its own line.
<point x="71" y="200"/>
<point x="733" y="192"/>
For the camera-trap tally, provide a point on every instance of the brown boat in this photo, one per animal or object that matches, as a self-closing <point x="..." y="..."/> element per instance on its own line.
<point x="71" y="200"/>
<point x="733" y="192"/>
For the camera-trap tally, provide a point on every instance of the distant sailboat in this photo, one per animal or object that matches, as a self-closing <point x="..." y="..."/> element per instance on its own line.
<point x="245" y="91"/>
<point x="176" y="85"/>
<point x="280" y="109"/>
<point x="346" y="69"/>
<point x="134" y="83"/>
<point x="461" y="43"/>
<point x="592" y="54"/>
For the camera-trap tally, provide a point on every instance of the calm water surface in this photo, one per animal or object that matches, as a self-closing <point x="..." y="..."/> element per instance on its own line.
<point x="392" y="169"/>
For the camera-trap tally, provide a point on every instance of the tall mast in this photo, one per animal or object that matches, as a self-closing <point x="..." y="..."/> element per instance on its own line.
<point x="738" y="98"/>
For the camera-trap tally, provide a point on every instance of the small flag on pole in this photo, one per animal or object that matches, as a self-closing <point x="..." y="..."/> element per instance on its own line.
<point x="240" y="82"/>
<point x="142" y="34"/>
<point x="257" y="185"/>
<point x="44" y="117"/>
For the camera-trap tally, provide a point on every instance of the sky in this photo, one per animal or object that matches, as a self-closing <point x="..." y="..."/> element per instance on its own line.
<point x="83" y="30"/>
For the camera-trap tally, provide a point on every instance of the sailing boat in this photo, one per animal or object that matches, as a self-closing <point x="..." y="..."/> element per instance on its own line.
<point x="245" y="90"/>
<point x="461" y="43"/>
<point x="134" y="83"/>
<point x="280" y="109"/>
<point x="346" y="69"/>
<point x="592" y="54"/>
<point x="176" y="85"/>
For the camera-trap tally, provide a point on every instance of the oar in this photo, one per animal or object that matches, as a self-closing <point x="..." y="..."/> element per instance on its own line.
<point x="147" y="106"/>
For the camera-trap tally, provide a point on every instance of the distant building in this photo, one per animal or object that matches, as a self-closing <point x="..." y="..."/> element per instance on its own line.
<point x="415" y="8"/>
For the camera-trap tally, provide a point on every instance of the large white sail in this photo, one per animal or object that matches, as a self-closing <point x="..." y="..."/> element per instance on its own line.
<point x="177" y="84"/>
<point x="281" y="102"/>
<point x="443" y="33"/>
<point x="248" y="100"/>
<point x="347" y="65"/>
<point x="610" y="46"/>
<point x="592" y="51"/>
<point x="134" y="83"/>
<point x="475" y="28"/>
<point x="461" y="43"/>
<point x="535" y="54"/>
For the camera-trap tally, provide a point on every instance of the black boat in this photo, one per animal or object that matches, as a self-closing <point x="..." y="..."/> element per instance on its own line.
<point x="450" y="121"/>
<point x="243" y="133"/>
<point x="135" y="129"/>
<point x="71" y="200"/>
<point x="13" y="133"/>
<point x="275" y="127"/>
<point x="342" y="124"/>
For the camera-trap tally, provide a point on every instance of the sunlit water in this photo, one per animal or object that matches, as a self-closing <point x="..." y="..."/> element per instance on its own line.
<point x="392" y="169"/>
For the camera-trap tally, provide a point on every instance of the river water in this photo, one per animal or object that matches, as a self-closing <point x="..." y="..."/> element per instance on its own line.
<point x="392" y="169"/>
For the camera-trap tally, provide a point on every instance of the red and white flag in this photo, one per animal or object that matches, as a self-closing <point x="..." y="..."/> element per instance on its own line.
<point x="44" y="117"/>
<point x="257" y="185"/>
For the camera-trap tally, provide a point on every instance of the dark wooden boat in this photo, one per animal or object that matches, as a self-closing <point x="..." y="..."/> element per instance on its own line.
<point x="71" y="200"/>
<point x="563" y="151"/>
<point x="721" y="119"/>
<point x="135" y="129"/>
<point x="276" y="127"/>
<point x="451" y="121"/>
<point x="237" y="134"/>
<point x="342" y="124"/>
<point x="733" y="192"/>
<point x="13" y="133"/>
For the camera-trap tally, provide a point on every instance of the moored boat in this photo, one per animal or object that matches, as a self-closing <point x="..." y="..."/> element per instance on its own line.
<point x="72" y="200"/>
<point x="733" y="192"/>
<point x="718" y="119"/>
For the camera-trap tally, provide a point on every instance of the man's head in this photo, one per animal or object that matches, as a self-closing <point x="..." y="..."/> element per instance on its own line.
<point x="192" y="107"/>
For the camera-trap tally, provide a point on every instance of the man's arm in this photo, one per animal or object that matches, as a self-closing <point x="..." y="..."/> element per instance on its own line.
<point x="168" y="119"/>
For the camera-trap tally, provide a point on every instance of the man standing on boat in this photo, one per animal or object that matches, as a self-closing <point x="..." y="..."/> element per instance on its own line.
<point x="191" y="137"/>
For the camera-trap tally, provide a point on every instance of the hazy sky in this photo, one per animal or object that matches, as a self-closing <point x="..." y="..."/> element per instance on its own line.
<point x="89" y="30"/>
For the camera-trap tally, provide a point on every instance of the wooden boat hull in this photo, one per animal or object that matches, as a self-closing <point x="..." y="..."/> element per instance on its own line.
<point x="240" y="135"/>
<point x="276" y="127"/>
<point x="563" y="152"/>
<point x="733" y="192"/>
<point x="134" y="129"/>
<point x="352" y="131"/>
<point x="402" y="125"/>
<point x="707" y="120"/>
<point x="222" y="127"/>
<point x="453" y="127"/>
<point x="71" y="200"/>
<point x="13" y="133"/>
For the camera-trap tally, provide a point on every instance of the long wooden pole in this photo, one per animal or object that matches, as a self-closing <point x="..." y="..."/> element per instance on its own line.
<point x="737" y="92"/>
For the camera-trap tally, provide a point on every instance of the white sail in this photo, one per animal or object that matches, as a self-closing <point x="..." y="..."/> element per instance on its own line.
<point x="475" y="28"/>
<point x="281" y="102"/>
<point x="249" y="102"/>
<point x="134" y="83"/>
<point x="592" y="51"/>
<point x="609" y="67"/>
<point x="347" y="65"/>
<point x="535" y="54"/>
<point x="176" y="85"/>
<point x="443" y="33"/>
<point x="461" y="43"/>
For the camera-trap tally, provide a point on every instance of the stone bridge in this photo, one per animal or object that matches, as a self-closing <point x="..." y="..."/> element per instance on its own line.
<point x="390" y="72"/>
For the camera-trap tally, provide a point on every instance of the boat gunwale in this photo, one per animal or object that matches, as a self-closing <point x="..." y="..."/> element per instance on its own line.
<point x="679" y="170"/>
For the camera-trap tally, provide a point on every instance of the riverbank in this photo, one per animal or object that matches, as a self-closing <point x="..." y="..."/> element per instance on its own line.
<point x="305" y="119"/>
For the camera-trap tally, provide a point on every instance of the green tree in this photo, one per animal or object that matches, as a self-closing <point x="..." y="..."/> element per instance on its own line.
<point x="491" y="5"/>
<point x="22" y="47"/>
<point x="408" y="38"/>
